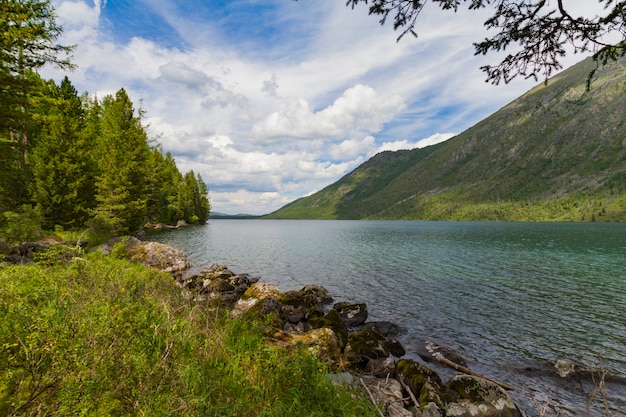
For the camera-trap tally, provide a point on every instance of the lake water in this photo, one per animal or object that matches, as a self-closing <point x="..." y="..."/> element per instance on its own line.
<point x="509" y="297"/>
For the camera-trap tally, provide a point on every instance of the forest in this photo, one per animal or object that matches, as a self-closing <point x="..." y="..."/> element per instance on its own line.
<point x="71" y="161"/>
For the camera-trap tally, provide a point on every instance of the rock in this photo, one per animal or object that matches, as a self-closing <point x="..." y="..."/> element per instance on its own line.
<point x="416" y="375"/>
<point x="159" y="256"/>
<point x="431" y="410"/>
<point x="430" y="351"/>
<point x="333" y="321"/>
<point x="106" y="248"/>
<point x="388" y="393"/>
<point x="471" y="396"/>
<point x="352" y="314"/>
<point x="216" y="271"/>
<point x="256" y="292"/>
<point x="321" y="294"/>
<point x="269" y="311"/>
<point x="365" y="345"/>
<point x="396" y="348"/>
<point x="381" y="367"/>
<point x="224" y="289"/>
<point x="387" y="328"/>
<point x="323" y="344"/>
<point x="296" y="304"/>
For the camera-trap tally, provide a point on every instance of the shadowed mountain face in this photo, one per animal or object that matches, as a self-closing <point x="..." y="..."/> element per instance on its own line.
<point x="556" y="153"/>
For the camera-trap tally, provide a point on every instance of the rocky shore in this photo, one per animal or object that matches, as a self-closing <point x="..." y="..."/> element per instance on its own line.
<point x="366" y="355"/>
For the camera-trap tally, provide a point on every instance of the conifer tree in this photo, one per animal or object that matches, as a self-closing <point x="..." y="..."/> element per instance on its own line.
<point x="28" y="41"/>
<point x="62" y="166"/>
<point x="123" y="161"/>
<point x="164" y="182"/>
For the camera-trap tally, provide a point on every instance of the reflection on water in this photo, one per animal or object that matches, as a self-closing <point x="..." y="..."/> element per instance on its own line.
<point x="510" y="297"/>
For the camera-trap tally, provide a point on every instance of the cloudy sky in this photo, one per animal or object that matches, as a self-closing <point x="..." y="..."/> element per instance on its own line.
<point x="271" y="100"/>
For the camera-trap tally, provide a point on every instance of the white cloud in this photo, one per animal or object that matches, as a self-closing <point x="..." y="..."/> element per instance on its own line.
<point x="358" y="110"/>
<point x="265" y="121"/>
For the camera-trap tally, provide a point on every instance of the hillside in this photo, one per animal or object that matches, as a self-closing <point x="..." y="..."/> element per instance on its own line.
<point x="556" y="153"/>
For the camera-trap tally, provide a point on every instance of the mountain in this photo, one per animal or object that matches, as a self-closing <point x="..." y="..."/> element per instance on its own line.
<point x="557" y="153"/>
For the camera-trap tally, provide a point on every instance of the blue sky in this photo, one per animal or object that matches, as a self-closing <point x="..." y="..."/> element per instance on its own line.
<point x="271" y="100"/>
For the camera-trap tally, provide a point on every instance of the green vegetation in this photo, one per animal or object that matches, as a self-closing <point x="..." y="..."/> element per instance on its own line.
<point x="558" y="153"/>
<point x="104" y="336"/>
<point x="73" y="160"/>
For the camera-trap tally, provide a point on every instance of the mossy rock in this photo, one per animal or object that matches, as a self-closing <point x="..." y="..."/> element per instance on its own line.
<point x="269" y="311"/>
<point x="431" y="392"/>
<point x="296" y="304"/>
<point x="415" y="375"/>
<point x="364" y="345"/>
<point x="471" y="396"/>
<point x="352" y="314"/>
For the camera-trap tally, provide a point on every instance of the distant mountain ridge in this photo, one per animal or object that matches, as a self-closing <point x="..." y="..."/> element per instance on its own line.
<point x="556" y="153"/>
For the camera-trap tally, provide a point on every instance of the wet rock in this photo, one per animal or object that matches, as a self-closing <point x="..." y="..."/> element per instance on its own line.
<point x="430" y="351"/>
<point x="321" y="294"/>
<point x="471" y="396"/>
<point x="352" y="314"/>
<point x="387" y="328"/>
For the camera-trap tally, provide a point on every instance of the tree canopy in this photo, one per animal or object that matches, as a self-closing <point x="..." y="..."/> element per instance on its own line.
<point x="540" y="32"/>
<point x="71" y="161"/>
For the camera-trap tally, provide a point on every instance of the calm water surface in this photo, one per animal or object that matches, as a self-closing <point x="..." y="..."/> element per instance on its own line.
<point x="509" y="297"/>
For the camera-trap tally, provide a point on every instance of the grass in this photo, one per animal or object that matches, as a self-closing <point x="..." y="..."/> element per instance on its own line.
<point x="104" y="336"/>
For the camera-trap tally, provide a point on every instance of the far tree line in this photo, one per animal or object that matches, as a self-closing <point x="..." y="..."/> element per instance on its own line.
<point x="73" y="161"/>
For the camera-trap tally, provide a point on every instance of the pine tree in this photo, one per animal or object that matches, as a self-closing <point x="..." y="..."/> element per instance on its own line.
<point x="62" y="166"/>
<point x="123" y="160"/>
<point x="28" y="35"/>
<point x="164" y="182"/>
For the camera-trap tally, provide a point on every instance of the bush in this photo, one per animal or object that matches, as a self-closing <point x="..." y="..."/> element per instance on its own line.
<point x="22" y="226"/>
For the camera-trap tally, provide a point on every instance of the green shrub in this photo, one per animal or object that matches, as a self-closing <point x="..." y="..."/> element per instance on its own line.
<point x="21" y="226"/>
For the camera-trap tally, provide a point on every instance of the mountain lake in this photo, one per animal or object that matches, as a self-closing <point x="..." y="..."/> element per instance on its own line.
<point x="511" y="298"/>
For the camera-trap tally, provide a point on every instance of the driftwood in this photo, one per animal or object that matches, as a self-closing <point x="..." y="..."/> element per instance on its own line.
<point x="371" y="397"/>
<point x="468" y="371"/>
<point x="408" y="389"/>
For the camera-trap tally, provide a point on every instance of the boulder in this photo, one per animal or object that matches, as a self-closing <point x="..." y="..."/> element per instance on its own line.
<point x="224" y="290"/>
<point x="297" y="304"/>
<point x="352" y="314"/>
<point x="321" y="294"/>
<point x="322" y="343"/>
<point x="387" y="328"/>
<point x="365" y="345"/>
<point x="417" y="376"/>
<point x="471" y="396"/>
<point x="333" y="321"/>
<point x="157" y="255"/>
<point x="430" y="351"/>
<point x="256" y="292"/>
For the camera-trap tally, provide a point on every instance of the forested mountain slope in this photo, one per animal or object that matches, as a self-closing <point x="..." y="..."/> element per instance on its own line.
<point x="556" y="153"/>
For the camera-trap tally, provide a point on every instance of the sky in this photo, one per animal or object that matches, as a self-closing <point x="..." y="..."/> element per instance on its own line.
<point x="272" y="100"/>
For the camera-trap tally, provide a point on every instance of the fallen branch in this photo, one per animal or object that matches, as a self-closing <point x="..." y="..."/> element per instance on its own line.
<point x="371" y="397"/>
<point x="408" y="389"/>
<point x="463" y="369"/>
